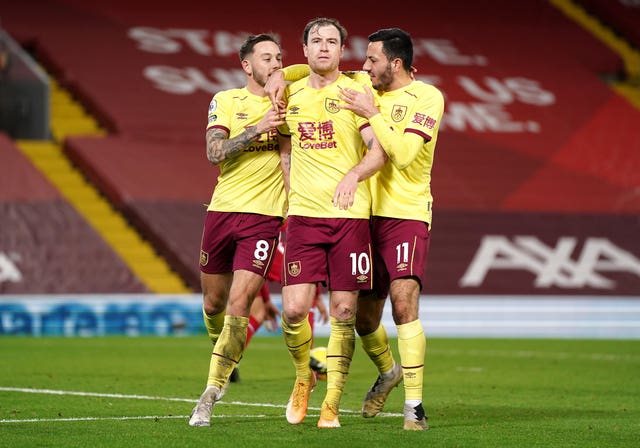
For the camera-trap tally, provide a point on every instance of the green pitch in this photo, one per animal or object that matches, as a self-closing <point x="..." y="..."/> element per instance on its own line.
<point x="138" y="392"/>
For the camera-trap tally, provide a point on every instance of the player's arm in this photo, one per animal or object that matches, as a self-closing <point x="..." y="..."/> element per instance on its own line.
<point x="284" y="141"/>
<point x="295" y="72"/>
<point x="220" y="147"/>
<point x="401" y="147"/>
<point x="271" y="312"/>
<point x="323" y="312"/>
<point x="372" y="161"/>
<point x="277" y="81"/>
<point x="271" y="316"/>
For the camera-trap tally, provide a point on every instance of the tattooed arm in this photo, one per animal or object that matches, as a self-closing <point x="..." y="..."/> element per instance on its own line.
<point x="221" y="147"/>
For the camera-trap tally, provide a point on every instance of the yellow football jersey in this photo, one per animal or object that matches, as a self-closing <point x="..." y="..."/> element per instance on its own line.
<point x="252" y="181"/>
<point x="406" y="193"/>
<point x="325" y="144"/>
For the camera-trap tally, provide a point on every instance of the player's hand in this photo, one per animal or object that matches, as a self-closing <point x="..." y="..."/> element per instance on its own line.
<point x="346" y="191"/>
<point x="272" y="119"/>
<point x="274" y="88"/>
<point x="323" y="313"/>
<point x="271" y="316"/>
<point x="361" y="103"/>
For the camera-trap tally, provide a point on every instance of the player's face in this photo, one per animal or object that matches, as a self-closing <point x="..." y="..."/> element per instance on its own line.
<point x="266" y="59"/>
<point x="378" y="67"/>
<point x="323" y="49"/>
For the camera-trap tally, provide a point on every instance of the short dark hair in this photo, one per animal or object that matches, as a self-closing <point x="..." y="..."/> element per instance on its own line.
<point x="247" y="46"/>
<point x="324" y="21"/>
<point x="396" y="43"/>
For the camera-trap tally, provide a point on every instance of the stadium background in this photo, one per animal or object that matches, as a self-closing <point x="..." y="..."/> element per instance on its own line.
<point x="536" y="184"/>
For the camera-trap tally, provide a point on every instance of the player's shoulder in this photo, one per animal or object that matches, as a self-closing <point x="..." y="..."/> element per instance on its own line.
<point x="296" y="88"/>
<point x="353" y="79"/>
<point x="421" y="88"/>
<point x="239" y="93"/>
<point x="359" y="76"/>
<point x="297" y="85"/>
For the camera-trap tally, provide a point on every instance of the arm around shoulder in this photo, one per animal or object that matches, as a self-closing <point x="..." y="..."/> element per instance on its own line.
<point x="401" y="148"/>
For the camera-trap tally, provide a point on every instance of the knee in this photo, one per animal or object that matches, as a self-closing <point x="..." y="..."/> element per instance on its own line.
<point x="213" y="303"/>
<point x="293" y="314"/>
<point x="343" y="311"/>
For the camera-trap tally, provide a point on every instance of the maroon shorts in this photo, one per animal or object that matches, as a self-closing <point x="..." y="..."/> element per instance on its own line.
<point x="334" y="251"/>
<point x="232" y="241"/>
<point x="400" y="248"/>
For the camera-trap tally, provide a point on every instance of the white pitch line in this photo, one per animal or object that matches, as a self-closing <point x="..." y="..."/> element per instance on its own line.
<point x="91" y="394"/>
<point x="147" y="397"/>
<point x="90" y="419"/>
<point x="538" y="354"/>
<point x="153" y="417"/>
<point x="139" y="417"/>
<point x="141" y="397"/>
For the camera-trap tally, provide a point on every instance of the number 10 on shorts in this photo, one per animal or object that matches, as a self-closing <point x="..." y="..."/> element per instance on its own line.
<point x="360" y="263"/>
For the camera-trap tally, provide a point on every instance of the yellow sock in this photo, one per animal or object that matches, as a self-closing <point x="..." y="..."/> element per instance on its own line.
<point x="214" y="324"/>
<point x="298" y="338"/>
<point x="228" y="350"/>
<point x="412" y="346"/>
<point x="340" y="348"/>
<point x="376" y="345"/>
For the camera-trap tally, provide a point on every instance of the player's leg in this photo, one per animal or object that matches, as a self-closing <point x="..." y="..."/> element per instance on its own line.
<point x="304" y="265"/>
<point x="412" y="347"/>
<point x="375" y="343"/>
<point x="340" y="348"/>
<point x="373" y="335"/>
<point x="296" y="302"/>
<point x="215" y="290"/>
<point x="349" y="260"/>
<point x="216" y="267"/>
<point x="258" y="313"/>
<point x="256" y="240"/>
<point x="405" y="299"/>
<point x="319" y="369"/>
<point x="230" y="345"/>
<point x="403" y="246"/>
